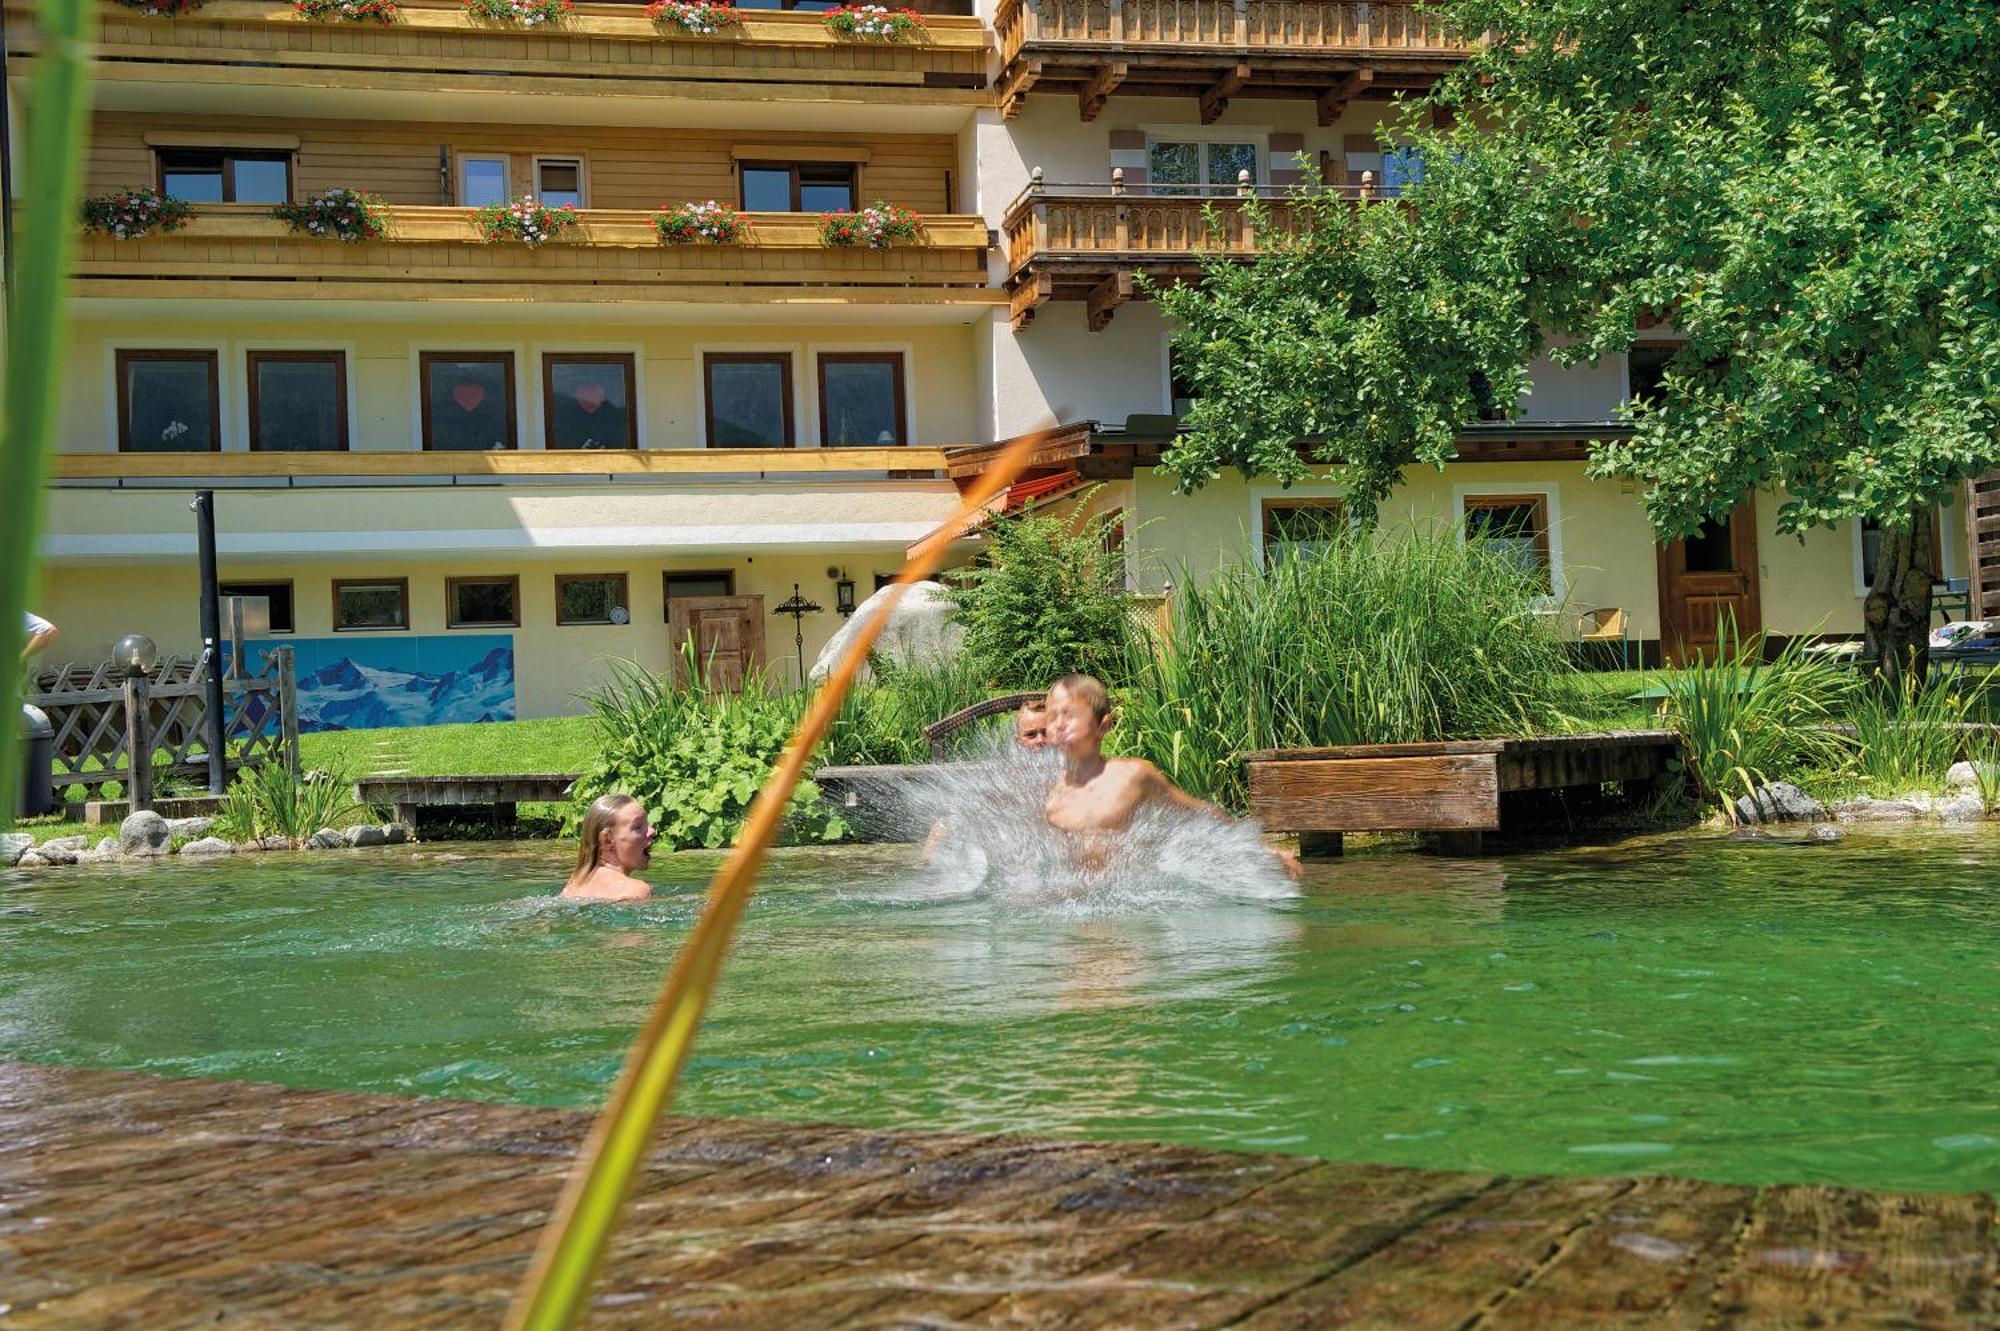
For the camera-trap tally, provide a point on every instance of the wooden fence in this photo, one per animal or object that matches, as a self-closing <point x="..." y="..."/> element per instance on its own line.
<point x="102" y="717"/>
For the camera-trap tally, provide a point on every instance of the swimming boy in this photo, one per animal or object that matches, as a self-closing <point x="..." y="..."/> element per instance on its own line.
<point x="617" y="839"/>
<point x="1096" y="795"/>
<point x="1031" y="734"/>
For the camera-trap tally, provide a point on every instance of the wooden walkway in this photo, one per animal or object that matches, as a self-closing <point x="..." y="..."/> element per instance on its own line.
<point x="127" y="1201"/>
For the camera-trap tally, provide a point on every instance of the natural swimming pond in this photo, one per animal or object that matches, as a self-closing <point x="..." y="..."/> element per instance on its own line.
<point x="1747" y="1012"/>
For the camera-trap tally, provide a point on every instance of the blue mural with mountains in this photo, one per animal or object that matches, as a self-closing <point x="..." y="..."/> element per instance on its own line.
<point x="366" y="683"/>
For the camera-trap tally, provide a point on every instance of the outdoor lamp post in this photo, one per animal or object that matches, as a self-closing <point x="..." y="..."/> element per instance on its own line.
<point x="843" y="597"/>
<point x="798" y="607"/>
<point x="135" y="654"/>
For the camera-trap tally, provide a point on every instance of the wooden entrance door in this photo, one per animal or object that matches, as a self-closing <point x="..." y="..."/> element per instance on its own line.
<point x="728" y="633"/>
<point x="1705" y="579"/>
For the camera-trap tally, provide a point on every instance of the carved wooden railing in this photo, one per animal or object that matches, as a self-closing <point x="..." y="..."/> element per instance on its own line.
<point x="1307" y="27"/>
<point x="1145" y="221"/>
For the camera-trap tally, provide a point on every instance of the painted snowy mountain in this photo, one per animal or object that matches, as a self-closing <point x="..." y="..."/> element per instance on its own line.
<point x="346" y="695"/>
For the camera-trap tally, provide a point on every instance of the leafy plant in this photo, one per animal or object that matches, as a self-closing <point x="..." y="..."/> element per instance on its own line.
<point x="878" y="22"/>
<point x="882" y="721"/>
<point x="1046" y="598"/>
<point x="876" y="227"/>
<point x="272" y="800"/>
<point x="358" y="11"/>
<point x="1908" y="732"/>
<point x="337" y="214"/>
<point x="526" y="219"/>
<point x="526" y="13"/>
<point x="706" y="223"/>
<point x="703" y="18"/>
<point x="130" y="214"/>
<point x="1744" y="722"/>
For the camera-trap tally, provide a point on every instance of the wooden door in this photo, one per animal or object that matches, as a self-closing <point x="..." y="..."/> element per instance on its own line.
<point x="1705" y="579"/>
<point x="728" y="633"/>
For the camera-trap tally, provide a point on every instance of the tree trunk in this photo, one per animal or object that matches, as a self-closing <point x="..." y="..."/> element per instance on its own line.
<point x="1897" y="613"/>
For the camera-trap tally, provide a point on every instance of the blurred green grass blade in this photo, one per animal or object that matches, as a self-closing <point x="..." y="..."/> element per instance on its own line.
<point x="38" y="331"/>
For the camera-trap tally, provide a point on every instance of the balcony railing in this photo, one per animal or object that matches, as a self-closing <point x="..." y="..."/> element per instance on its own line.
<point x="1215" y="49"/>
<point x="388" y="467"/>
<point x="601" y="49"/>
<point x="612" y="254"/>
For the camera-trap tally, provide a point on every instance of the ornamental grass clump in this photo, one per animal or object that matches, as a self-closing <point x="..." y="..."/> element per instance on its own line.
<point x="703" y="18"/>
<point x="348" y="215"/>
<point x="876" y="227"/>
<point x="526" y="219"/>
<point x="875" y="22"/>
<point x="354" y="11"/>
<point x="130" y="214"/>
<point x="1367" y="639"/>
<point x="707" y="223"/>
<point x="273" y="801"/>
<point x="1908" y="733"/>
<point x="522" y="13"/>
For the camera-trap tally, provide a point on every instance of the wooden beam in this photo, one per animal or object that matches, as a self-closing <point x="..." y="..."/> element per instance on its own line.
<point x="1033" y="293"/>
<point x="1335" y="99"/>
<point x="529" y="462"/>
<point x="1016" y="85"/>
<point x="1216" y="100"/>
<point x="1102" y="84"/>
<point x="1106" y="297"/>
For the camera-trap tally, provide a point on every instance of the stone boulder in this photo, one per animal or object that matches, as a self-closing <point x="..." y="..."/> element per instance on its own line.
<point x="1826" y="832"/>
<point x="13" y="845"/>
<point x="325" y="839"/>
<point x="921" y="631"/>
<point x="30" y="860"/>
<point x="190" y="827"/>
<point x="50" y="853"/>
<point x="67" y="843"/>
<point x="365" y="835"/>
<point x="107" y="848"/>
<point x="145" y="833"/>
<point x="1779" y="802"/>
<point x="1966" y="807"/>
<point x="275" y="843"/>
<point x="208" y="845"/>
<point x="395" y="834"/>
<point x="1868" y="809"/>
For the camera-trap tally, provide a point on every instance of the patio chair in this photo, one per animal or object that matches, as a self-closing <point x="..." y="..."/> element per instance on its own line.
<point x="1607" y="624"/>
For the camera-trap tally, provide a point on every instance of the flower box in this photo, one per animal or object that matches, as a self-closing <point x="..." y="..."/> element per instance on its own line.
<point x="162" y="8"/>
<point x="131" y="214"/>
<point x="875" y="22"/>
<point x="699" y="224"/>
<point x="703" y="18"/>
<point x="337" y="214"/>
<point x="875" y="227"/>
<point x="356" y="11"/>
<point x="527" y="219"/>
<point x="524" y="13"/>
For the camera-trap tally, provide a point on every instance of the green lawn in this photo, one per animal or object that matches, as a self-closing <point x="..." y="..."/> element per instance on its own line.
<point x="553" y="744"/>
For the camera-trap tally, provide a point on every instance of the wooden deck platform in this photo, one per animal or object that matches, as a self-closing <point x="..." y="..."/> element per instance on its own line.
<point x="1452" y="787"/>
<point x="416" y="798"/>
<point x="128" y="1201"/>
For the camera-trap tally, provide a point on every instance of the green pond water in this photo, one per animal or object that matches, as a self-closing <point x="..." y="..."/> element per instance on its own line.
<point x="1716" y="1009"/>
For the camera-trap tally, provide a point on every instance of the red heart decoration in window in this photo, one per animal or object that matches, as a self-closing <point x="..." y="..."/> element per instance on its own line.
<point x="468" y="396"/>
<point x="590" y="397"/>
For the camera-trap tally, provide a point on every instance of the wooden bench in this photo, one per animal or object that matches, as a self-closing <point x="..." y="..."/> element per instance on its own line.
<point x="1452" y="787"/>
<point x="415" y="796"/>
<point x="942" y="729"/>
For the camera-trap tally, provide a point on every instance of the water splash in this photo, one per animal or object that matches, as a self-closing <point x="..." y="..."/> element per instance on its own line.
<point x="994" y="840"/>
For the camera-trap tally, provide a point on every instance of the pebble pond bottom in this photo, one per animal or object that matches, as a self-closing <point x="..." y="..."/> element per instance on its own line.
<point x="1745" y="1012"/>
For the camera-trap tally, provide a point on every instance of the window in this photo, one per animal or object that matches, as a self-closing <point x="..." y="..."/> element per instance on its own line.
<point x="482" y="603"/>
<point x="224" y="175"/>
<point x="861" y="398"/>
<point x="1646" y="369"/>
<point x="1183" y="168"/>
<point x="167" y="402"/>
<point x="1712" y="548"/>
<point x="482" y="180"/>
<point x="592" y="598"/>
<point x="1871" y="548"/>
<point x="587" y="400"/>
<point x="1402" y="168"/>
<point x="681" y="586"/>
<point x="278" y="593"/>
<point x="1517" y="526"/>
<point x="748" y="399"/>
<point x="1301" y="527"/>
<point x="298" y="401"/>
<point x="370" y="603"/>
<point x="1180" y="388"/>
<point x="798" y="187"/>
<point x="559" y="181"/>
<point x="468" y="402"/>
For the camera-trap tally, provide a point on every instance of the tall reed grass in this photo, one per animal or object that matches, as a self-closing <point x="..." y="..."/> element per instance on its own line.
<point x="1907" y="734"/>
<point x="1373" y="639"/>
<point x="272" y="801"/>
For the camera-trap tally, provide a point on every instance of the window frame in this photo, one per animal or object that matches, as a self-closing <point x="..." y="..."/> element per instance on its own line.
<point x="254" y="426"/>
<point x="401" y="584"/>
<point x="122" y="357"/>
<point x="512" y="581"/>
<point x="1267" y="503"/>
<point x="900" y="387"/>
<point x="540" y="160"/>
<point x="230" y="156"/>
<point x="667" y="576"/>
<point x="551" y="359"/>
<point x="1543" y="504"/>
<point x="787" y="391"/>
<point x="1202" y="138"/>
<point x="465" y="159"/>
<point x="624" y="582"/>
<point x="425" y="359"/>
<point x="1863" y="586"/>
<point x="291" y="596"/>
<point x="853" y="170"/>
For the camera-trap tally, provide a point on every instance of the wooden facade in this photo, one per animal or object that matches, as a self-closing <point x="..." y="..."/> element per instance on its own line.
<point x="1331" y="51"/>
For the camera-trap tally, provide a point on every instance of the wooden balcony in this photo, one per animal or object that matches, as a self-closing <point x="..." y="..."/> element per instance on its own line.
<point x="1331" y="51"/>
<point x="433" y="253"/>
<point x="602" y="50"/>
<point x="666" y="465"/>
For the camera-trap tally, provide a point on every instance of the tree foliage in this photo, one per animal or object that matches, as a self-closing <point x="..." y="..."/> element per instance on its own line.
<point x="1046" y="598"/>
<point x="1807" y="191"/>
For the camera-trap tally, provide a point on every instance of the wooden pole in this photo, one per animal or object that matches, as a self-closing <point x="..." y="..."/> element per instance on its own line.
<point x="288" y="707"/>
<point x="138" y="742"/>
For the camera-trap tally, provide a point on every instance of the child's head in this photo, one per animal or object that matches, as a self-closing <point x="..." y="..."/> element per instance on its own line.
<point x="1079" y="715"/>
<point x="1031" y="724"/>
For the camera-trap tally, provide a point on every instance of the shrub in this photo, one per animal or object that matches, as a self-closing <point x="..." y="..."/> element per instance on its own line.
<point x="882" y="721"/>
<point x="273" y="801"/>
<point x="1046" y="598"/>
<point x="357" y="11"/>
<point x="1373" y="639"/>
<point x="337" y="214"/>
<point x="875" y="227"/>
<point x="703" y="18"/>
<point x="873" y="21"/>
<point x="699" y="224"/>
<point x="527" y="219"/>
<point x="130" y="214"/>
<point x="526" y="13"/>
